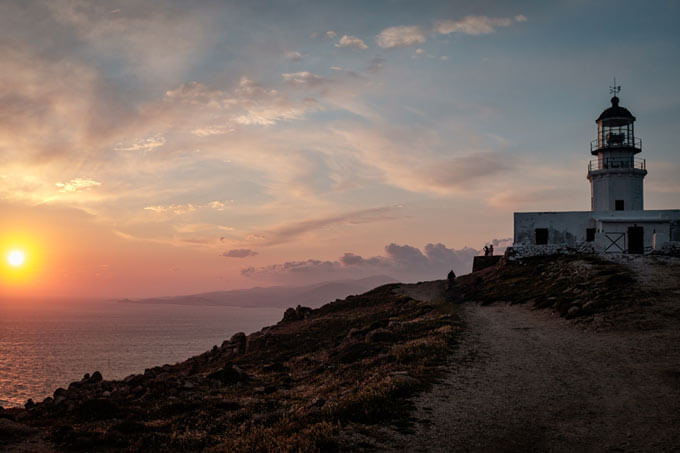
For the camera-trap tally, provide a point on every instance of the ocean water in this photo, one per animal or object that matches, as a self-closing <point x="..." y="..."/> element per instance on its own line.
<point x="43" y="348"/>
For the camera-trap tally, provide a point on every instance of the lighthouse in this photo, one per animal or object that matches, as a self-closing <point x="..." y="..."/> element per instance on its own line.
<point x="617" y="221"/>
<point x="616" y="175"/>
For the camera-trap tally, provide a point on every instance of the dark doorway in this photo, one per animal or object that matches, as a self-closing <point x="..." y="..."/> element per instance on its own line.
<point x="541" y="236"/>
<point x="590" y="234"/>
<point x="618" y="205"/>
<point x="636" y="242"/>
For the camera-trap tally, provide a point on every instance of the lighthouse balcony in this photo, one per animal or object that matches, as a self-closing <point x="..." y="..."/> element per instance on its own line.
<point x="615" y="163"/>
<point x="615" y="141"/>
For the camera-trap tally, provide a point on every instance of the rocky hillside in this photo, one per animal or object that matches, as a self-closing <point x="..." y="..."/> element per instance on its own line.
<point x="320" y="380"/>
<point x="301" y="385"/>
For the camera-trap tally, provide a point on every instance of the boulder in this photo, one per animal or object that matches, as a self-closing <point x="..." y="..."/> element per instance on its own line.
<point x="10" y="429"/>
<point x="296" y="314"/>
<point x="238" y="343"/>
<point x="97" y="409"/>
<point x="228" y="375"/>
<point x="378" y="335"/>
<point x="96" y="377"/>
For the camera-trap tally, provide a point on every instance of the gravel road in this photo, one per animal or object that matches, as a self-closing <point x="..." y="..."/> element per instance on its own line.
<point x="526" y="380"/>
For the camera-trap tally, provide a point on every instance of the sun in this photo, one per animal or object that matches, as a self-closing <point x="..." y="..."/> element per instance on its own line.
<point x="16" y="258"/>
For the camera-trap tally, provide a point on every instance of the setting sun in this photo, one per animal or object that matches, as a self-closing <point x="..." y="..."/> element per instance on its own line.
<point x="16" y="258"/>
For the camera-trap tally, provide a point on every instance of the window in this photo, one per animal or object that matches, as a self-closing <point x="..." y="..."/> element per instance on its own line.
<point x="618" y="205"/>
<point x="590" y="234"/>
<point x="541" y="236"/>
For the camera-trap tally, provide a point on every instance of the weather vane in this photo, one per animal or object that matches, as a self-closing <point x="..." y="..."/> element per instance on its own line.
<point x="614" y="89"/>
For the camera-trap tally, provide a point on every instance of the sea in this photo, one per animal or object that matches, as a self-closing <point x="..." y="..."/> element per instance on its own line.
<point x="46" y="346"/>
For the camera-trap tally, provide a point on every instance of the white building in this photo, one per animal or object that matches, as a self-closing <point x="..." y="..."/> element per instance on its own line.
<point x="617" y="221"/>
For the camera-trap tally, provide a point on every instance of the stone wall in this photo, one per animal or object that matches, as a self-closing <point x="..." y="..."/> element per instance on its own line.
<point x="482" y="262"/>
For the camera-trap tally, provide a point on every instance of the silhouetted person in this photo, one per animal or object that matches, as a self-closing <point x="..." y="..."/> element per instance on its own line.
<point x="486" y="250"/>
<point x="451" y="278"/>
<point x="491" y="250"/>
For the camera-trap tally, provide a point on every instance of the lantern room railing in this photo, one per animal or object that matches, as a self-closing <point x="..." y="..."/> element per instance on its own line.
<point x="615" y="141"/>
<point x="615" y="163"/>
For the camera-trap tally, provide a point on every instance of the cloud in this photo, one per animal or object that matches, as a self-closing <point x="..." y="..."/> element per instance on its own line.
<point x="303" y="79"/>
<point x="331" y="34"/>
<point x="401" y="36"/>
<point x="457" y="171"/>
<point x="207" y="131"/>
<point x="293" y="56"/>
<point x="179" y="209"/>
<point x="520" y="18"/>
<point x="77" y="184"/>
<point x="239" y="253"/>
<point x="474" y="25"/>
<point x="404" y="262"/>
<point x="288" y="232"/>
<point x="145" y="144"/>
<point x="249" y="104"/>
<point x="377" y="64"/>
<point x="351" y="41"/>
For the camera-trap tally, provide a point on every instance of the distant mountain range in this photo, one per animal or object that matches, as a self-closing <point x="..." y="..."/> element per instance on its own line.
<point x="275" y="296"/>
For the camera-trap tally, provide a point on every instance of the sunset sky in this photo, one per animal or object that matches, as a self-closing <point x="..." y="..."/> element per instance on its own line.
<point x="167" y="147"/>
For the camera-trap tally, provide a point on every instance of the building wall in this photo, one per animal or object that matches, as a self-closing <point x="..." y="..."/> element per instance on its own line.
<point x="569" y="228"/>
<point x="564" y="228"/>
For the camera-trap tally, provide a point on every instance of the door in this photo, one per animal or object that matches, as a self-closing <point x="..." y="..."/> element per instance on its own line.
<point x="636" y="240"/>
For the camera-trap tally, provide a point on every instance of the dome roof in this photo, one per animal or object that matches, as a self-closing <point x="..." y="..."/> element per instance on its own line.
<point x="616" y="112"/>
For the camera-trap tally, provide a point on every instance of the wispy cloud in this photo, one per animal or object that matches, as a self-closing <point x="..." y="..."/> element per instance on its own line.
<point x="351" y="41"/>
<point x="303" y="79"/>
<point x="239" y="253"/>
<point x="184" y="208"/>
<point x="401" y="36"/>
<point x="475" y="25"/>
<point x="77" y="184"/>
<point x="293" y="55"/>
<point x="291" y="231"/>
<point x="145" y="144"/>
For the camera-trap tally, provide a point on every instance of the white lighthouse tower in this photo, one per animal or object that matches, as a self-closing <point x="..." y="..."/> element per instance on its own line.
<point x="616" y="175"/>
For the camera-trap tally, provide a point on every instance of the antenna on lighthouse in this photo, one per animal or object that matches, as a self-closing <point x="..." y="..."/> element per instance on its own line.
<point x="614" y="89"/>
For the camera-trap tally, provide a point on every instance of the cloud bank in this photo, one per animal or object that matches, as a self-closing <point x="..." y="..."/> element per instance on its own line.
<point x="404" y="262"/>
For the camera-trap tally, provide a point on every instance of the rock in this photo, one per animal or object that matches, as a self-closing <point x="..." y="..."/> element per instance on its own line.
<point x="106" y="394"/>
<point x="86" y="377"/>
<point x="97" y="409"/>
<point x="29" y="404"/>
<point x="238" y="342"/>
<point x="355" y="334"/>
<point x="573" y="310"/>
<point x="277" y="367"/>
<point x="228" y="375"/>
<point x="189" y="385"/>
<point x="378" y="335"/>
<point x="59" y="393"/>
<point x="10" y="429"/>
<point x="96" y="377"/>
<point x="296" y="314"/>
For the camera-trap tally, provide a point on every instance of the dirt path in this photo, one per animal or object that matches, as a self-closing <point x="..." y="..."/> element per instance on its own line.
<point x="524" y="380"/>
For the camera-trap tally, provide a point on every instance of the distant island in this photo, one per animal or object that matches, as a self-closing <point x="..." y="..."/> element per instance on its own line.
<point x="274" y="296"/>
